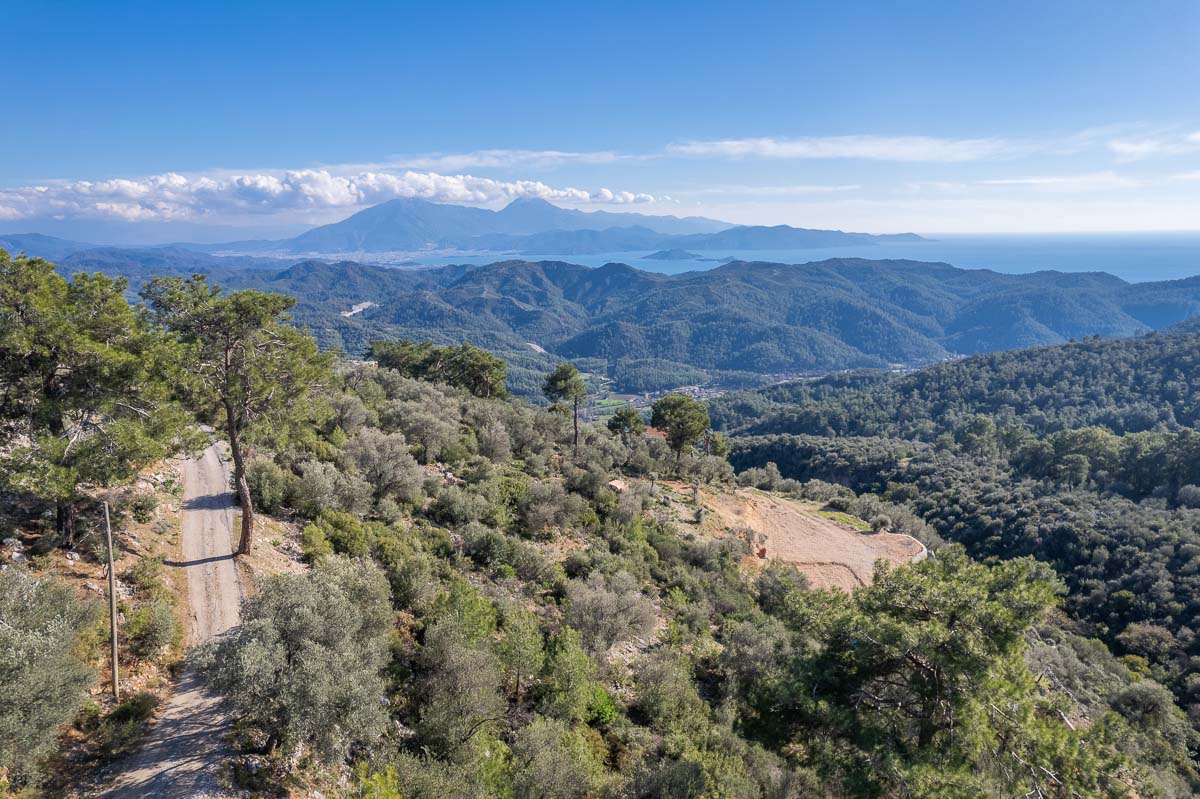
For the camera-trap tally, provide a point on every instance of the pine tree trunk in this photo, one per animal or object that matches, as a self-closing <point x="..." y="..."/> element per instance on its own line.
<point x="242" y="485"/>
<point x="64" y="521"/>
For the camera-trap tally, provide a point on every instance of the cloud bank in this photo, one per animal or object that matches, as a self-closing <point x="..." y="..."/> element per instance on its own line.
<point x="174" y="197"/>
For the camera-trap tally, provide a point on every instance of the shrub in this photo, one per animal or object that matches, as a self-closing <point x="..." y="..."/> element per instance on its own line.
<point x="485" y="546"/>
<point x="152" y="628"/>
<point x="460" y="694"/>
<point x="137" y="708"/>
<point x="766" y="478"/>
<point x="146" y="576"/>
<point x="607" y="612"/>
<point x="1189" y="496"/>
<point x="385" y="464"/>
<point x="494" y="442"/>
<point x="123" y="726"/>
<point x="42" y="680"/>
<point x="314" y="544"/>
<point x="271" y="487"/>
<point x="667" y="697"/>
<point x="553" y="760"/>
<point x="457" y="506"/>
<point x="568" y="687"/>
<point x="337" y="532"/>
<point x="142" y="507"/>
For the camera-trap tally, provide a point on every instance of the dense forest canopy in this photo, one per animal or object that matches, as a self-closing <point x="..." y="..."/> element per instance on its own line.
<point x="1126" y="386"/>
<point x="1085" y="456"/>
<point x="512" y="607"/>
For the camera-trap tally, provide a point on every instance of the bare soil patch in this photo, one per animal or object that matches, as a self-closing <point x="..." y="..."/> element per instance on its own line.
<point x="831" y="554"/>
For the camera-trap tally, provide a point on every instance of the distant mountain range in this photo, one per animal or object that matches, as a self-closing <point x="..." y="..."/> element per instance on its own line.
<point x="411" y="225"/>
<point x="537" y="227"/>
<point x="525" y="226"/>
<point x="48" y="247"/>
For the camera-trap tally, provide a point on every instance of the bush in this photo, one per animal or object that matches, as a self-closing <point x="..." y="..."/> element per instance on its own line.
<point x="485" y="546"/>
<point x="42" y="680"/>
<point x="152" y="628"/>
<point x="314" y="544"/>
<point x="553" y="760"/>
<point x="607" y="612"/>
<point x="568" y="686"/>
<point x="460" y="695"/>
<point x="494" y="442"/>
<point x="146" y="576"/>
<point x="385" y="464"/>
<point x="137" y="708"/>
<point x="123" y="726"/>
<point x="337" y="532"/>
<point x="142" y="507"/>
<point x="1189" y="496"/>
<point x="667" y="697"/>
<point x="271" y="487"/>
<point x="766" y="478"/>
<point x="455" y="506"/>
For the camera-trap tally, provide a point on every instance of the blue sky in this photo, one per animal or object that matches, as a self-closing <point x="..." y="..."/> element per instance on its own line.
<point x="933" y="117"/>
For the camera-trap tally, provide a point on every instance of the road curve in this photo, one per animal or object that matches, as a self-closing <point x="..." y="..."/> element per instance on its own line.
<point x="186" y="746"/>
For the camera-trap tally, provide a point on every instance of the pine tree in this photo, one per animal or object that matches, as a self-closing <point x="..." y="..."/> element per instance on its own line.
<point x="83" y="385"/>
<point x="246" y="369"/>
<point x="566" y="384"/>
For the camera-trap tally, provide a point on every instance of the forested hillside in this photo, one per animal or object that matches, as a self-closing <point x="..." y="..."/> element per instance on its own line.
<point x="1085" y="456"/>
<point x="739" y="318"/>
<point x="1125" y="386"/>
<point x="492" y="604"/>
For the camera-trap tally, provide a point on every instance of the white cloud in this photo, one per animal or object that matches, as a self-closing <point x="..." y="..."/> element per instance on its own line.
<point x="1187" y="176"/>
<point x="173" y="196"/>
<point x="866" y="147"/>
<point x="772" y="191"/>
<point x="1085" y="182"/>
<point x="1154" y="146"/>
<point x="507" y="159"/>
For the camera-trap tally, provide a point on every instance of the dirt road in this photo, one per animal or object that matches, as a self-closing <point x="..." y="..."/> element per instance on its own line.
<point x="184" y="749"/>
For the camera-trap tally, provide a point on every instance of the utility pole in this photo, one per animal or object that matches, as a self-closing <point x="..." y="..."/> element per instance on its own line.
<point x="112" y="605"/>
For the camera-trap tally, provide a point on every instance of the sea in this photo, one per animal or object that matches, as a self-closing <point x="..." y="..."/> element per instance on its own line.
<point x="1134" y="257"/>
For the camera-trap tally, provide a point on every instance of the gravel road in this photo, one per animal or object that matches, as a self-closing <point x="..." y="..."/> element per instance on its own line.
<point x="185" y="747"/>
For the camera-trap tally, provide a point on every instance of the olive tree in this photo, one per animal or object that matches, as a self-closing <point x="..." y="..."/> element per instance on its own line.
<point x="553" y="761"/>
<point x="305" y="667"/>
<point x="42" y="680"/>
<point x="608" y="611"/>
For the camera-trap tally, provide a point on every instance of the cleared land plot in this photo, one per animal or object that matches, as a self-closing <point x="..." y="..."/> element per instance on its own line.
<point x="829" y="553"/>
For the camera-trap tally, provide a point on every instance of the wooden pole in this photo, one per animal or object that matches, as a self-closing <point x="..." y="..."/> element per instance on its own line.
<point x="112" y="605"/>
